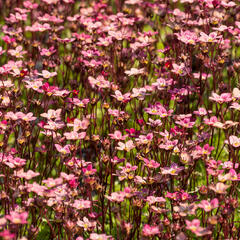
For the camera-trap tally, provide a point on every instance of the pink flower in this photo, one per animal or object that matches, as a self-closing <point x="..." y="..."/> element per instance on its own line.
<point x="36" y="188"/>
<point x="144" y="139"/>
<point x="151" y="163"/>
<point x="17" y="218"/>
<point x="213" y="120"/>
<point x="168" y="144"/>
<point x="186" y="122"/>
<point x="86" y="224"/>
<point x="6" y="235"/>
<point x="185" y="209"/>
<point x="236" y="93"/>
<point x="89" y="170"/>
<point x="17" y="52"/>
<point x="152" y="200"/>
<point x="116" y="197"/>
<point x="35" y="85"/>
<point x="30" y="5"/>
<point x="117" y="135"/>
<point x="47" y="52"/>
<point x="174" y="169"/>
<point x="223" y="98"/>
<point x="128" y="146"/>
<point x="219" y="188"/>
<point x="212" y="37"/>
<point x="51" y="125"/>
<point x="27" y="175"/>
<point x="52" y="114"/>
<point x="79" y="124"/>
<point x="81" y="204"/>
<point x="19" y="115"/>
<point x="74" y="135"/>
<point x="134" y="71"/>
<point x="158" y="109"/>
<point x="208" y="206"/>
<point x="162" y="83"/>
<point x="187" y="37"/>
<point x="201" y="112"/>
<point x="37" y="27"/>
<point x="47" y="74"/>
<point x="63" y="150"/>
<point x="80" y="103"/>
<point x="233" y="176"/>
<point x="154" y="123"/>
<point x="234" y="141"/>
<point x="180" y="70"/>
<point x="206" y="150"/>
<point x="100" y="82"/>
<point x="194" y="226"/>
<point x="150" y="230"/>
<point x="96" y="236"/>
<point x="122" y="97"/>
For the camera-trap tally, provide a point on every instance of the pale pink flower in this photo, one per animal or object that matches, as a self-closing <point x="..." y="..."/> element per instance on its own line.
<point x="208" y="206"/>
<point x="117" y="135"/>
<point x="151" y="163"/>
<point x="154" y="123"/>
<point x="36" y="188"/>
<point x="17" y="218"/>
<point x="185" y="209"/>
<point x="174" y="169"/>
<point x="51" y="125"/>
<point x="134" y="71"/>
<point x="212" y="37"/>
<point x="96" y="236"/>
<point x="86" y="224"/>
<point x="63" y="150"/>
<point x="186" y="122"/>
<point x="74" y="135"/>
<point x="27" y="175"/>
<point x="116" y="197"/>
<point x="187" y="37"/>
<point x="47" y="52"/>
<point x="78" y="102"/>
<point x="234" y="141"/>
<point x="47" y="74"/>
<point x="37" y="27"/>
<point x="223" y="98"/>
<point x="152" y="200"/>
<point x="219" y="188"/>
<point x="194" y="226"/>
<point x="81" y="204"/>
<point x="121" y="97"/>
<point x="168" y="144"/>
<point x="201" y="112"/>
<point x="18" y="53"/>
<point x="180" y="70"/>
<point x="158" y="109"/>
<point x="142" y="139"/>
<point x="79" y="124"/>
<point x="52" y="114"/>
<point x="236" y="93"/>
<point x="99" y="82"/>
<point x="150" y="230"/>
<point x="35" y="85"/>
<point x="129" y="145"/>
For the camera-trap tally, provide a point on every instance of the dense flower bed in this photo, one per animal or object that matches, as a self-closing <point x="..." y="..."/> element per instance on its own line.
<point x="119" y="119"/>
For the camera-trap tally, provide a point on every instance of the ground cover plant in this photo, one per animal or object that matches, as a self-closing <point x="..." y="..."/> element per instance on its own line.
<point x="119" y="119"/>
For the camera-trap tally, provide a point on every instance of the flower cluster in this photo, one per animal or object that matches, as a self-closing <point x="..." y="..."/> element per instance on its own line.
<point x="119" y="119"/>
